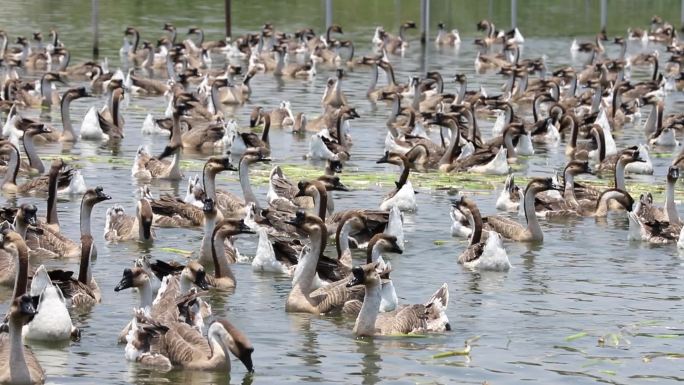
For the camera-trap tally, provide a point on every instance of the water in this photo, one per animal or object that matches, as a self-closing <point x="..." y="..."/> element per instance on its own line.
<point x="585" y="278"/>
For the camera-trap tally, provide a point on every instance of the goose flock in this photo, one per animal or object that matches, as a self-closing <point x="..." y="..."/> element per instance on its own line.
<point x="204" y="88"/>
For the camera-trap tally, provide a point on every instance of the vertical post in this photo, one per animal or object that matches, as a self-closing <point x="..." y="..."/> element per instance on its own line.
<point x="423" y="23"/>
<point x="681" y="16"/>
<point x="514" y="14"/>
<point x="328" y="13"/>
<point x="228" y="15"/>
<point x="94" y="16"/>
<point x="490" y="10"/>
<point x="604" y="14"/>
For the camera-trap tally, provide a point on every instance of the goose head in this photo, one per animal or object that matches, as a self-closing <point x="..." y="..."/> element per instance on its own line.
<point x="310" y="188"/>
<point x="332" y="183"/>
<point x="12" y="242"/>
<point x="27" y="214"/>
<point x="145" y="214"/>
<point x="672" y="174"/>
<point x="236" y="341"/>
<point x="334" y="165"/>
<point x="21" y="40"/>
<point x="95" y="195"/>
<point x="255" y="116"/>
<point x="77" y="93"/>
<point x="630" y="155"/>
<point x="233" y="226"/>
<point x="216" y="164"/>
<point x="577" y="167"/>
<point x="130" y="31"/>
<point x="537" y="185"/>
<point x="622" y="197"/>
<point x="392" y="158"/>
<point x="135" y="277"/>
<point x="37" y="129"/>
<point x="53" y="77"/>
<point x="367" y="274"/>
<point x="255" y="155"/>
<point x="168" y="27"/>
<point x="307" y="223"/>
<point x="23" y="308"/>
<point x="386" y="243"/>
<point x="194" y="273"/>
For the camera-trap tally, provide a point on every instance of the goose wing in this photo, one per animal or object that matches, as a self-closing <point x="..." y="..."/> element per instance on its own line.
<point x="402" y="321"/>
<point x="108" y="127"/>
<point x="183" y="344"/>
<point x="334" y="297"/>
<point x="119" y="224"/>
<point x="472" y="253"/>
<point x="169" y="206"/>
<point x="229" y="203"/>
<point x="200" y="136"/>
<point x="507" y="227"/>
<point x="80" y="294"/>
<point x="152" y="86"/>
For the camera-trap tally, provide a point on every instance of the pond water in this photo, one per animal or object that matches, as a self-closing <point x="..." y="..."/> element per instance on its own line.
<point x="539" y="322"/>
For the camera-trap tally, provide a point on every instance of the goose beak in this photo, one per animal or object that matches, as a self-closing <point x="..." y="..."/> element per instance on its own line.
<point x="27" y="307"/>
<point x="355" y="280"/>
<point x="126" y="282"/>
<point x="341" y="187"/>
<point x="384" y="159"/>
<point x="244" y="228"/>
<point x="201" y="281"/>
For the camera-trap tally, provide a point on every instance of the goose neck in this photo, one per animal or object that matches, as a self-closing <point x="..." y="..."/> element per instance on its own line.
<point x="22" y="271"/>
<point x="19" y="372"/>
<point x="68" y="129"/>
<point x="52" y="197"/>
<point x="12" y="168"/>
<point x="670" y="205"/>
<point x="365" y="321"/>
<point x="245" y="184"/>
<point x="620" y="174"/>
<point x="86" y="211"/>
<point x="476" y="236"/>
<point x="342" y="239"/>
<point x="569" y="189"/>
<point x="308" y="270"/>
<point x="84" y="273"/>
<point x="146" y="295"/>
<point x="531" y="216"/>
<point x="32" y="154"/>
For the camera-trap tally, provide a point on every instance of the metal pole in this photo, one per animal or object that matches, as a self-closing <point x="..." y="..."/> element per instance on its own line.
<point x="604" y="14"/>
<point x="423" y="27"/>
<point x="229" y="24"/>
<point x="514" y="14"/>
<point x="94" y="15"/>
<point x="328" y="13"/>
<point x="681" y="16"/>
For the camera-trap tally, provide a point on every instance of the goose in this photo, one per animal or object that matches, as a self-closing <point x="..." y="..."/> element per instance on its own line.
<point x="96" y="126"/>
<point x="139" y="340"/>
<point x="67" y="134"/>
<point x="137" y="278"/>
<point x="47" y="96"/>
<point x="146" y="166"/>
<point x="223" y="278"/>
<point x="252" y="140"/>
<point x="55" y="243"/>
<point x="460" y="225"/>
<point x="512" y="230"/>
<point x="52" y="321"/>
<point x="654" y="231"/>
<point x="419" y="318"/>
<point x="510" y="197"/>
<point x="18" y="364"/>
<point x="188" y="349"/>
<point x="375" y="221"/>
<point x="647" y="212"/>
<point x="282" y="189"/>
<point x="224" y="201"/>
<point x="378" y="244"/>
<point x="83" y="291"/>
<point x="397" y="44"/>
<point x="403" y="196"/>
<point x="70" y="181"/>
<point x="480" y="255"/>
<point x="121" y="227"/>
<point x="32" y="132"/>
<point x="292" y="70"/>
<point x="13" y="259"/>
<point x="302" y="298"/>
<point x="451" y="38"/>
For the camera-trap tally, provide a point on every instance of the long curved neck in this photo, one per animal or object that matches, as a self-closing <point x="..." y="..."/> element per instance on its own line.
<point x="405" y="169"/>
<point x="245" y="185"/>
<point x="535" y="107"/>
<point x="340" y="133"/>
<point x="455" y="136"/>
<point x="620" y="174"/>
<point x="569" y="189"/>
<point x="601" y="144"/>
<point x="267" y="128"/>
<point x="68" y="129"/>
<point x="215" y="100"/>
<point x="374" y="78"/>
<point x="530" y="214"/>
<point x="655" y="69"/>
<point x="342" y="238"/>
<point x="476" y="236"/>
<point x="22" y="271"/>
<point x="218" y="252"/>
<point x="365" y="321"/>
<point x="209" y="226"/>
<point x="46" y="91"/>
<point x="52" y="218"/>
<point x="84" y="275"/>
<point x="321" y="203"/>
<point x="462" y="91"/>
<point x="115" y="110"/>
<point x="136" y="41"/>
<point x="209" y="180"/>
<point x="307" y="273"/>
<point x="573" y="134"/>
<point x="86" y="211"/>
<point x="176" y="135"/>
<point x="670" y="205"/>
<point x="12" y="168"/>
<point x="18" y="369"/>
<point x="32" y="154"/>
<point x="146" y="295"/>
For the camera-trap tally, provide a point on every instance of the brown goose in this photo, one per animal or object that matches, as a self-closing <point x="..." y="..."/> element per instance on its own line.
<point x="122" y="227"/>
<point x="18" y="364"/>
<point x="481" y="255"/>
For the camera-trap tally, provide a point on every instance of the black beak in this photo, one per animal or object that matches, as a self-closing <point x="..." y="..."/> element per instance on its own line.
<point x="201" y="281"/>
<point x="229" y="166"/>
<point x="264" y="160"/>
<point x="168" y="151"/>
<point x="27" y="307"/>
<point x="246" y="360"/>
<point x="397" y="249"/>
<point x="341" y="187"/>
<point x="30" y="219"/>
<point x="126" y="281"/>
<point x="358" y="276"/>
<point x="384" y="159"/>
<point x="244" y="228"/>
